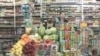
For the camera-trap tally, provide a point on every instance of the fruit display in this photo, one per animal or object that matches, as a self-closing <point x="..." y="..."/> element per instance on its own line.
<point x="48" y="31"/>
<point x="17" y="48"/>
<point x="28" y="43"/>
<point x="41" y="30"/>
<point x="23" y="48"/>
<point x="53" y="30"/>
<point x="69" y="40"/>
<point x="29" y="49"/>
<point x="46" y="37"/>
<point x="54" y="37"/>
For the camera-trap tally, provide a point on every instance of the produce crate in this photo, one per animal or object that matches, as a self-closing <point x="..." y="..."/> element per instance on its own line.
<point x="47" y="50"/>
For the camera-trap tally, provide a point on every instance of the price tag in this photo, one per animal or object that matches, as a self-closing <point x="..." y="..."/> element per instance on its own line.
<point x="54" y="48"/>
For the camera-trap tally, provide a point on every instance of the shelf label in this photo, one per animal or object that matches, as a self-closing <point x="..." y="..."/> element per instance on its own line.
<point x="54" y="48"/>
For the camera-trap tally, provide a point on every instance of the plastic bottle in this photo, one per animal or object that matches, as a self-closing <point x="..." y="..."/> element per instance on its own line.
<point x="61" y="42"/>
<point x="26" y="11"/>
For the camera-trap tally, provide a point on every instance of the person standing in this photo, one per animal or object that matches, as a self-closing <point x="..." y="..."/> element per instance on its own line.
<point x="60" y="20"/>
<point x="59" y="23"/>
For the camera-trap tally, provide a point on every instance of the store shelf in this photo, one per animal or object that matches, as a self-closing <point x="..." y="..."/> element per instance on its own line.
<point x="32" y="16"/>
<point x="93" y="4"/>
<point x="6" y="16"/>
<point x="10" y="5"/>
<point x="6" y="5"/>
<point x="65" y="3"/>
<point x="17" y="16"/>
<point x="7" y="38"/>
<point x="6" y="26"/>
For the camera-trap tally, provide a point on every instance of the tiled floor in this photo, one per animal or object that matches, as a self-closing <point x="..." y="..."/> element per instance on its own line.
<point x="1" y="54"/>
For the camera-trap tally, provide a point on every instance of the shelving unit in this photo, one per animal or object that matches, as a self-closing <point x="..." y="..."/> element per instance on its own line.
<point x="82" y="10"/>
<point x="88" y="12"/>
<point x="36" y="14"/>
<point x="6" y="19"/>
<point x="53" y="10"/>
<point x="12" y="21"/>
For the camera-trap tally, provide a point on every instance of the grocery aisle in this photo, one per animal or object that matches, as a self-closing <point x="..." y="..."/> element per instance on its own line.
<point x="50" y="27"/>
